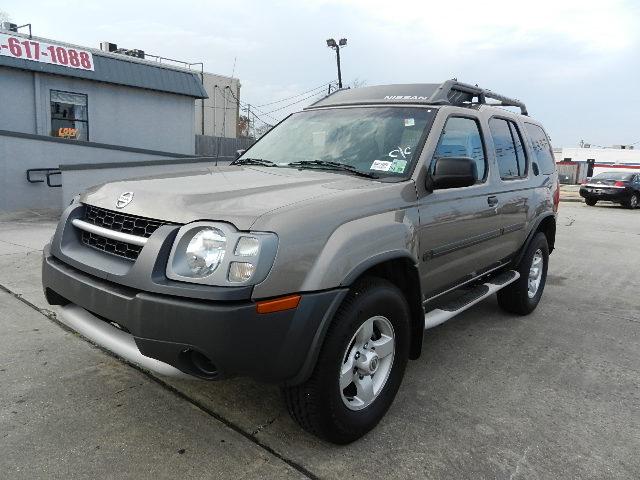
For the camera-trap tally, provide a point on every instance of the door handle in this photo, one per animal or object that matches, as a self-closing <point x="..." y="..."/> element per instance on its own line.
<point x="492" y="201"/>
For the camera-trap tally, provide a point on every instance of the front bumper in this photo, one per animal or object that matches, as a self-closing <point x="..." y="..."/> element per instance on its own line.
<point x="277" y="347"/>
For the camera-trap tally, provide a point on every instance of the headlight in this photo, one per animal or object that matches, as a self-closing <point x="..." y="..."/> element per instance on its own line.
<point x="218" y="254"/>
<point x="205" y="252"/>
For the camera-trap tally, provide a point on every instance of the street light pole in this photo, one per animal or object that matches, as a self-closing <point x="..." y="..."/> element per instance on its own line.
<point x="339" y="71"/>
<point x="331" y="43"/>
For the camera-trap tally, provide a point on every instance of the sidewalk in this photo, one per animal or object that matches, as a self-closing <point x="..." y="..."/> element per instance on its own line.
<point x="570" y="193"/>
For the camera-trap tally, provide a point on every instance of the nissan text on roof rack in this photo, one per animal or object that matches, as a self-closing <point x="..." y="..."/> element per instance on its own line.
<point x="319" y="257"/>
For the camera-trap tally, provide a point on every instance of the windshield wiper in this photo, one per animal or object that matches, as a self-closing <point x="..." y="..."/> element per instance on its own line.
<point x="254" y="161"/>
<point x="320" y="164"/>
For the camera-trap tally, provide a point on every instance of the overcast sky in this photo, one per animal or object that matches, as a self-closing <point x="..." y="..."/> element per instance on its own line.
<point x="574" y="62"/>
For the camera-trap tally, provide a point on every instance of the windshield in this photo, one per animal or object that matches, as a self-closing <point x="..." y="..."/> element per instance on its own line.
<point x="613" y="176"/>
<point x="378" y="140"/>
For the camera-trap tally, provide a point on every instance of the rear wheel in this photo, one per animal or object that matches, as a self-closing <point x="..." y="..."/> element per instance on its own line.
<point x="523" y="295"/>
<point x="633" y="201"/>
<point x="590" y="201"/>
<point x="360" y="366"/>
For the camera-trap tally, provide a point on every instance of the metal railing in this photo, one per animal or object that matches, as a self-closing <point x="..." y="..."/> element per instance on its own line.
<point x="47" y="173"/>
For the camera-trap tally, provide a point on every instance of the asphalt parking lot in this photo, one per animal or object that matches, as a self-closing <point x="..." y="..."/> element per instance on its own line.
<point x="552" y="395"/>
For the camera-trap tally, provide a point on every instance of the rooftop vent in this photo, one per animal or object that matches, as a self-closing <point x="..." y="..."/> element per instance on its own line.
<point x="108" y="47"/>
<point x="113" y="48"/>
<point x="623" y="147"/>
<point x="131" y="53"/>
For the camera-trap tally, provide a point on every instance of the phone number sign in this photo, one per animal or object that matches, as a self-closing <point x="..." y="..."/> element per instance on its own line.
<point x="28" y="49"/>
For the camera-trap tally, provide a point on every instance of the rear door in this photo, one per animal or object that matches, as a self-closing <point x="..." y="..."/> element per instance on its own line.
<point x="514" y="195"/>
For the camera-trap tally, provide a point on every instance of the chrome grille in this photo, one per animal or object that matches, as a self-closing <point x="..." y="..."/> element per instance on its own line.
<point x="121" y="222"/>
<point x="114" y="247"/>
<point x="118" y="222"/>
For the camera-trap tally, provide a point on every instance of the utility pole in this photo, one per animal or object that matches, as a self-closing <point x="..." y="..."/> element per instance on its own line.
<point x="214" y="109"/>
<point x="202" y="99"/>
<point x="248" y="120"/>
<point x="331" y="43"/>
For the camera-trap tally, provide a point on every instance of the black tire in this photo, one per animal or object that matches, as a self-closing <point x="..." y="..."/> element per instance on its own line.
<point x="633" y="202"/>
<point x="515" y="298"/>
<point x="590" y="201"/>
<point x="317" y="405"/>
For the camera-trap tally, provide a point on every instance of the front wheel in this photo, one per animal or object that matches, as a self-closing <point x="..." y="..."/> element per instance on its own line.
<point x="590" y="201"/>
<point x="523" y="295"/>
<point x="360" y="366"/>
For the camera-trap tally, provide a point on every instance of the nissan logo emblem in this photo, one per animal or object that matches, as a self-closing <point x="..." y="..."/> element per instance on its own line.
<point x="124" y="199"/>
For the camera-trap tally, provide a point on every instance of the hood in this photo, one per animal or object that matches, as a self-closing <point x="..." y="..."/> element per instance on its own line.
<point x="234" y="194"/>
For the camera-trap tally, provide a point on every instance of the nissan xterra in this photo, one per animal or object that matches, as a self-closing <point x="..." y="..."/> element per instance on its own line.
<point x="317" y="259"/>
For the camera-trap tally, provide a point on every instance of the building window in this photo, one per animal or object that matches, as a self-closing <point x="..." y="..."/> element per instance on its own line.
<point x="69" y="116"/>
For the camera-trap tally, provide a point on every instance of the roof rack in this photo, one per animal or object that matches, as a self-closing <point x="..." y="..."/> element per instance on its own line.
<point x="453" y="92"/>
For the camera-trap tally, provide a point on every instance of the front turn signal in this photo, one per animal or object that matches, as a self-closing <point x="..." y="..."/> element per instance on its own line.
<point x="278" y="304"/>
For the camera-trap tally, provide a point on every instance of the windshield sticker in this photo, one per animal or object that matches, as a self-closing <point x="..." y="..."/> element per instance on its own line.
<point x="381" y="165"/>
<point x="398" y="166"/>
<point x="400" y="152"/>
<point x="409" y="122"/>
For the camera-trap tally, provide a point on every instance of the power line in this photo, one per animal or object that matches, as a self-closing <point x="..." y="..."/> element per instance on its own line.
<point x="293" y="103"/>
<point x="298" y="95"/>
<point x="244" y="105"/>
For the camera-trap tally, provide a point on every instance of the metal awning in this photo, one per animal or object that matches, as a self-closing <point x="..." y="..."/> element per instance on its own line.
<point x="110" y="68"/>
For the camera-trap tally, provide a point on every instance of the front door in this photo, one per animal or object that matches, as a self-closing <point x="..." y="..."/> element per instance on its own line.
<point x="458" y="226"/>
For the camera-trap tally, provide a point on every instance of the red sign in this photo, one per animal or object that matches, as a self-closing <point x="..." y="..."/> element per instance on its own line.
<point x="36" y="51"/>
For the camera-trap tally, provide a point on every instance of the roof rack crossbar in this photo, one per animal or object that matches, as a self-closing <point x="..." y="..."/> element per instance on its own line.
<point x="453" y="92"/>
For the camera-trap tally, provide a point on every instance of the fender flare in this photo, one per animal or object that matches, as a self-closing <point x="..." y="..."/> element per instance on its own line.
<point x="536" y="228"/>
<point x="376" y="260"/>
<point x="352" y="276"/>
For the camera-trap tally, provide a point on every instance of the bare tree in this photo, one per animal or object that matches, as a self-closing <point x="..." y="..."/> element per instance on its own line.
<point x="357" y="83"/>
<point x="4" y="16"/>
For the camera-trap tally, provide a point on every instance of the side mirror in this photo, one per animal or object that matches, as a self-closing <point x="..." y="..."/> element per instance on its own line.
<point x="454" y="172"/>
<point x="239" y="153"/>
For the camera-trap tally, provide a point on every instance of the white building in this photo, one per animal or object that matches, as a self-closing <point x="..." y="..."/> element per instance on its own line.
<point x="218" y="115"/>
<point x="580" y="163"/>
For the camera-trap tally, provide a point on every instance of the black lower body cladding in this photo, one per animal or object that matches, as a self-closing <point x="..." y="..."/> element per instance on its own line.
<point x="276" y="347"/>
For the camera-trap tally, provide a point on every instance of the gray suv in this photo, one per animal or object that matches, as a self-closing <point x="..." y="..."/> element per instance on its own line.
<point x="317" y="259"/>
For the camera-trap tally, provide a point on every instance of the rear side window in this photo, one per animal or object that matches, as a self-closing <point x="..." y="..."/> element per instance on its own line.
<point x="543" y="155"/>
<point x="461" y="138"/>
<point x="510" y="154"/>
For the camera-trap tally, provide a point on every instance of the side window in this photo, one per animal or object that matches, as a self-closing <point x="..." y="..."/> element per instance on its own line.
<point x="461" y="138"/>
<point x="520" y="153"/>
<point x="541" y="149"/>
<point x="510" y="154"/>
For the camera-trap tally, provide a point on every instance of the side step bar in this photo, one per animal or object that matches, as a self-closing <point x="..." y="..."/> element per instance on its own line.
<point x="440" y="315"/>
